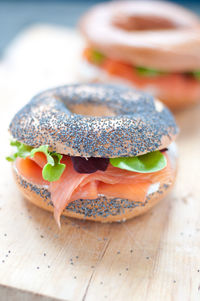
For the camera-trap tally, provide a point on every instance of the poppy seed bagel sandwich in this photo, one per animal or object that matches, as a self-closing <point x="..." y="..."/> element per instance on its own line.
<point x="93" y="151"/>
<point x="148" y="44"/>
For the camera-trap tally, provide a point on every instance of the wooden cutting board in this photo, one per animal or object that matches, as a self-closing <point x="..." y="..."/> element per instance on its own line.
<point x="153" y="257"/>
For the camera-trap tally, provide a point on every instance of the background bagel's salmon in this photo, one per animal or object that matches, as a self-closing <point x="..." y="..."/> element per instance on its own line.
<point x="185" y="87"/>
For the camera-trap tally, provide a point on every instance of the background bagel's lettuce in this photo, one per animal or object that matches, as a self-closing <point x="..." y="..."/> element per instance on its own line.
<point x="147" y="163"/>
<point x="149" y="72"/>
<point x="154" y="72"/>
<point x="196" y="74"/>
<point x="97" y="57"/>
<point x="52" y="170"/>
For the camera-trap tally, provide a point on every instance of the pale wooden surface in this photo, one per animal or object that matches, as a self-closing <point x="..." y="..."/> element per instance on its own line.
<point x="153" y="257"/>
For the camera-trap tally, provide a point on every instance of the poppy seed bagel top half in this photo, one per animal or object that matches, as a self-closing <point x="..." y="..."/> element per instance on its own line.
<point x="95" y="120"/>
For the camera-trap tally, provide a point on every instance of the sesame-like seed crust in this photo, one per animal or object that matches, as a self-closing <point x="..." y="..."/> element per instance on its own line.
<point x="137" y="127"/>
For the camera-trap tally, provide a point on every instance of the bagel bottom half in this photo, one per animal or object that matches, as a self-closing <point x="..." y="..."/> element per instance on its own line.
<point x="103" y="209"/>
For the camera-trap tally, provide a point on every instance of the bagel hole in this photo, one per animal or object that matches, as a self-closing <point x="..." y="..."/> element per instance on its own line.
<point x="91" y="110"/>
<point x="145" y="22"/>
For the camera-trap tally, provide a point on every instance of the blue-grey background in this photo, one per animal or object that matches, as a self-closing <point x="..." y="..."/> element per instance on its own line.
<point x="15" y="15"/>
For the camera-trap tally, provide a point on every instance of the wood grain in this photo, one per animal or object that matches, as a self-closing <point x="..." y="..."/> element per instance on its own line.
<point x="153" y="257"/>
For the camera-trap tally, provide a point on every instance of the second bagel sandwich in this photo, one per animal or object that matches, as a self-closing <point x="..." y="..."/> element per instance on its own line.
<point x="150" y="45"/>
<point x="96" y="152"/>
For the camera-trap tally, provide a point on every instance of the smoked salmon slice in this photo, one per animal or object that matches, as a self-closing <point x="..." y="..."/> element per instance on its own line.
<point x="30" y="170"/>
<point x="40" y="159"/>
<point x="71" y="186"/>
<point x="170" y="86"/>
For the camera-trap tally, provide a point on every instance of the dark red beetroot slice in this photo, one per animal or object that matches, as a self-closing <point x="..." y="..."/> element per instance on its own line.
<point x="164" y="150"/>
<point x="90" y="165"/>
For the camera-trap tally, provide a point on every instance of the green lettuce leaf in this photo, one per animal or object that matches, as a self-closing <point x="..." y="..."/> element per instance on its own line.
<point x="97" y="57"/>
<point x="149" y="72"/>
<point x="52" y="171"/>
<point x="43" y="149"/>
<point x="147" y="163"/>
<point x="23" y="151"/>
<point x="196" y="74"/>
